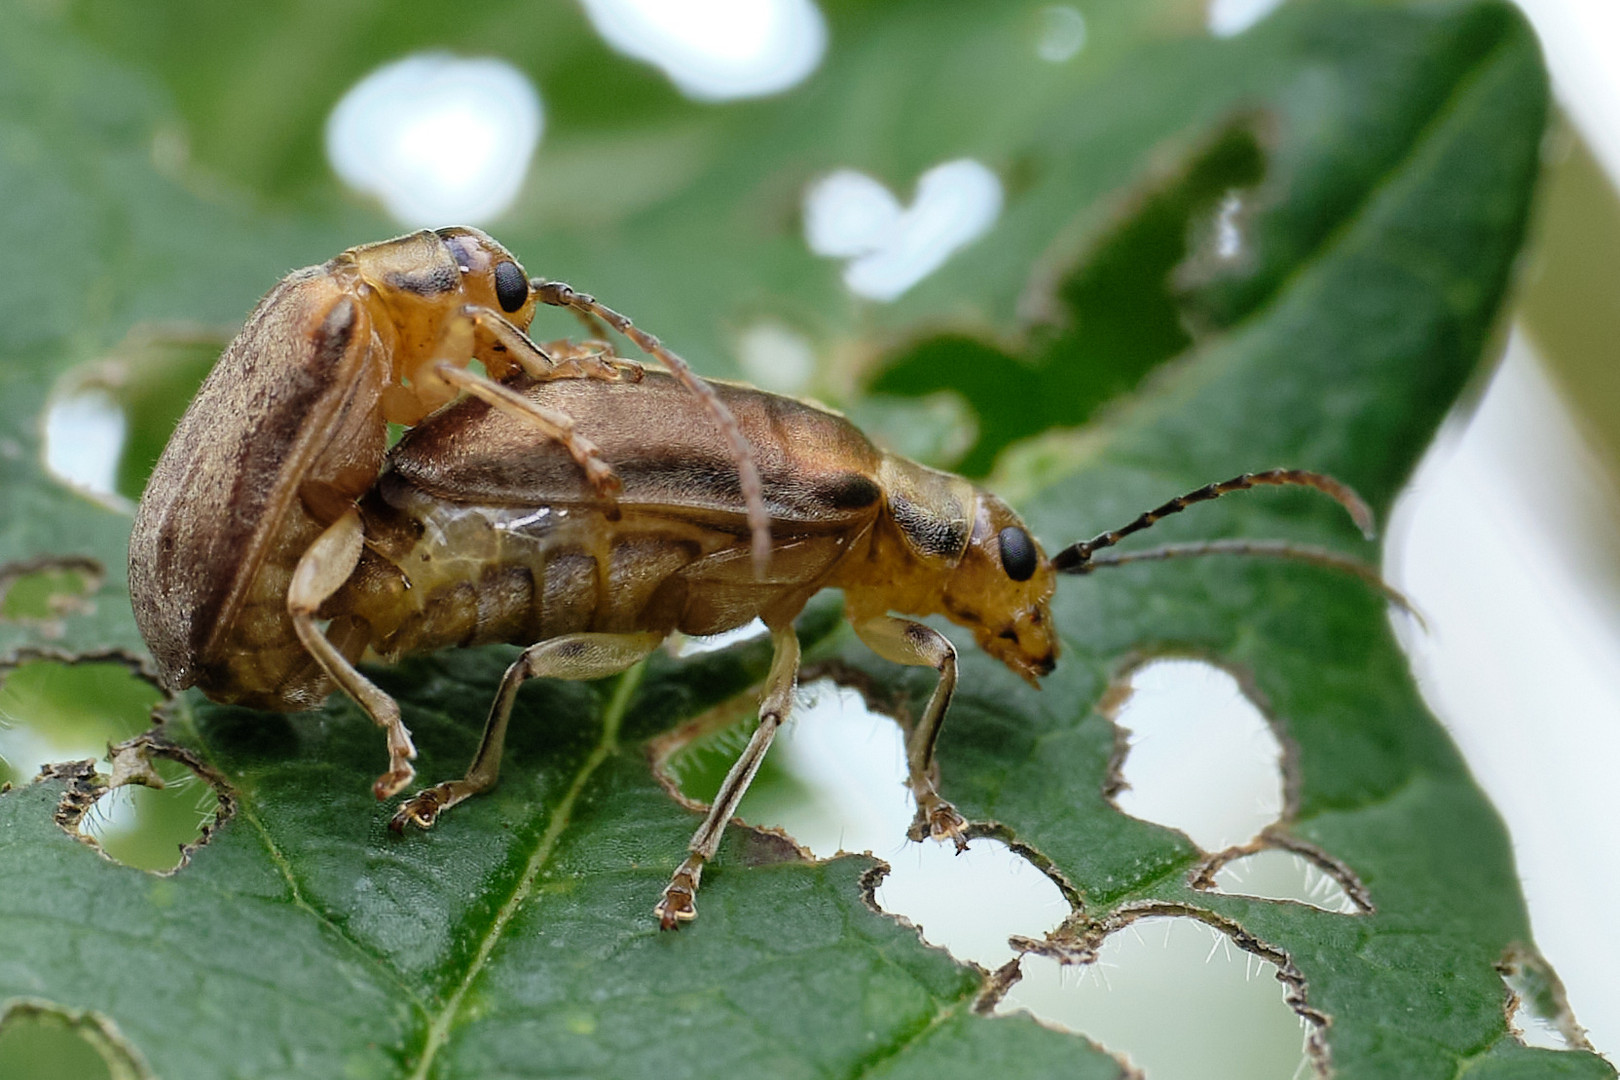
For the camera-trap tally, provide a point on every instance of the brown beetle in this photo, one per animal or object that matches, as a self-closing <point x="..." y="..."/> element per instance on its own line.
<point x="291" y="428"/>
<point x="483" y="530"/>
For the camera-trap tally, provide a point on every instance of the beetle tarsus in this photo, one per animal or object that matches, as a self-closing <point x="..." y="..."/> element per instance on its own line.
<point x="678" y="905"/>
<point x="421" y="809"/>
<point x="937" y="819"/>
<point x="393" y="781"/>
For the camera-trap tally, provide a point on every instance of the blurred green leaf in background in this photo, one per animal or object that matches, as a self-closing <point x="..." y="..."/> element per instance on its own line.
<point x="1182" y="255"/>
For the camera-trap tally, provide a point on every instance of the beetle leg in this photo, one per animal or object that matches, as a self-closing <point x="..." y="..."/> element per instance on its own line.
<point x="558" y="425"/>
<point x="557" y="294"/>
<point x="915" y="645"/>
<point x="676" y="906"/>
<point x="543" y="363"/>
<point x="591" y="360"/>
<point x="573" y="656"/>
<point x="321" y="571"/>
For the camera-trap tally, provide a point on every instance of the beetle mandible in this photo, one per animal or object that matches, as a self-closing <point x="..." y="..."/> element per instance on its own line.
<point x="482" y="529"/>
<point x="290" y="429"/>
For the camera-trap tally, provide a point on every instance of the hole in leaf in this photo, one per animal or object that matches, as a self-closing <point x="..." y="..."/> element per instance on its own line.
<point x="694" y="646"/>
<point x="44" y="592"/>
<point x="1062" y="33"/>
<point x="970" y="904"/>
<point x="52" y="712"/>
<point x="84" y="440"/>
<point x="1202" y="758"/>
<point x="147" y="827"/>
<point x="1171" y="973"/>
<point x="107" y="422"/>
<point x="437" y="138"/>
<point x="835" y="781"/>
<point x="1108" y="311"/>
<point x="42" y="1042"/>
<point x="775" y="357"/>
<point x="1538" y="1011"/>
<point x="718" y="50"/>
<point x="890" y="247"/>
<point x="1228" y="18"/>
<point x="1277" y="874"/>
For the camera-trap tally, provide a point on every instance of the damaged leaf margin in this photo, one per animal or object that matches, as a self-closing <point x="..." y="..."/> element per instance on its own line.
<point x="1078" y="939"/>
<point x="123" y="1060"/>
<point x="83" y="785"/>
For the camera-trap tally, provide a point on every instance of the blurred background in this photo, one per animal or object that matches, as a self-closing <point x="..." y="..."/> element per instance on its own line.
<point x="1505" y="540"/>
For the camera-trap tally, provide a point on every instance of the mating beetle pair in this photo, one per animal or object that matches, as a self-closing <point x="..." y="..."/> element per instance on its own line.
<point x="570" y="502"/>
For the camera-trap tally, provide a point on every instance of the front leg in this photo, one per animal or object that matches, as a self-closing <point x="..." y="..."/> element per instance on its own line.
<point x="476" y="333"/>
<point x="558" y="294"/>
<point x="555" y="425"/>
<point x="591" y="359"/>
<point x="915" y="645"/>
<point x="500" y="345"/>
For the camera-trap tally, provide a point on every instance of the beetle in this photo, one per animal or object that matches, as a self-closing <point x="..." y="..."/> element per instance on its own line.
<point x="482" y="529"/>
<point x="291" y="427"/>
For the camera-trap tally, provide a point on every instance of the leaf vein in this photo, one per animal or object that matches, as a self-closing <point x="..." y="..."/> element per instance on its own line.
<point x="439" y="1030"/>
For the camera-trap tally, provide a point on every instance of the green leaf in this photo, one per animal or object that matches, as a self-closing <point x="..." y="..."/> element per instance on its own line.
<point x="1381" y="157"/>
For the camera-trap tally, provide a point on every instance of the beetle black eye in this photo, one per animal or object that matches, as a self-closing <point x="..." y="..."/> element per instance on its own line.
<point x="511" y="287"/>
<point x="1017" y="553"/>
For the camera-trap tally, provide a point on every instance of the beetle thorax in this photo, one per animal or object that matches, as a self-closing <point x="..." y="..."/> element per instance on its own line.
<point x="938" y="550"/>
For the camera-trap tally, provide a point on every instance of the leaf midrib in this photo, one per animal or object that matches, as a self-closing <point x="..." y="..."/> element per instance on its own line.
<point x="439" y="1028"/>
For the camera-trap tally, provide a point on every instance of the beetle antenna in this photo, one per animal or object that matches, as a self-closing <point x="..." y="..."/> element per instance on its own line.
<point x="557" y="294"/>
<point x="1077" y="558"/>
<point x="1274" y="549"/>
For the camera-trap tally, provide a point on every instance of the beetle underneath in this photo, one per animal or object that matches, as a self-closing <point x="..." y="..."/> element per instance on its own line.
<point x="482" y="531"/>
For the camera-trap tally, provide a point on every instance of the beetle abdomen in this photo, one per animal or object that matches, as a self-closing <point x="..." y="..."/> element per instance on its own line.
<point x="438" y="574"/>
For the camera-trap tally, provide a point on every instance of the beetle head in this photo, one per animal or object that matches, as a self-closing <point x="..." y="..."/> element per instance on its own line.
<point x="490" y="276"/>
<point x="1002" y="588"/>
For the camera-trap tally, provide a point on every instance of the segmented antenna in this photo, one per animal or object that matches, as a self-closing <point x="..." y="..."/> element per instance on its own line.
<point x="1077" y="558"/>
<point x="556" y="294"/>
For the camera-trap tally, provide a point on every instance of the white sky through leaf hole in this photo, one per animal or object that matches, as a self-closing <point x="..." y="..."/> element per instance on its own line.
<point x="1202" y="758"/>
<point x="717" y="50"/>
<point x="438" y="139"/>
<point x="890" y="247"/>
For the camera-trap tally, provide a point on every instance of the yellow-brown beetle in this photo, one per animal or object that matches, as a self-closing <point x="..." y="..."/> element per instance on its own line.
<point x="290" y="429"/>
<point x="483" y="530"/>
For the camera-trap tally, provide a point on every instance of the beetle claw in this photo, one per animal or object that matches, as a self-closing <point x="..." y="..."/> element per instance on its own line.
<point x="941" y="822"/>
<point x="678" y="904"/>
<point x="421" y="810"/>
